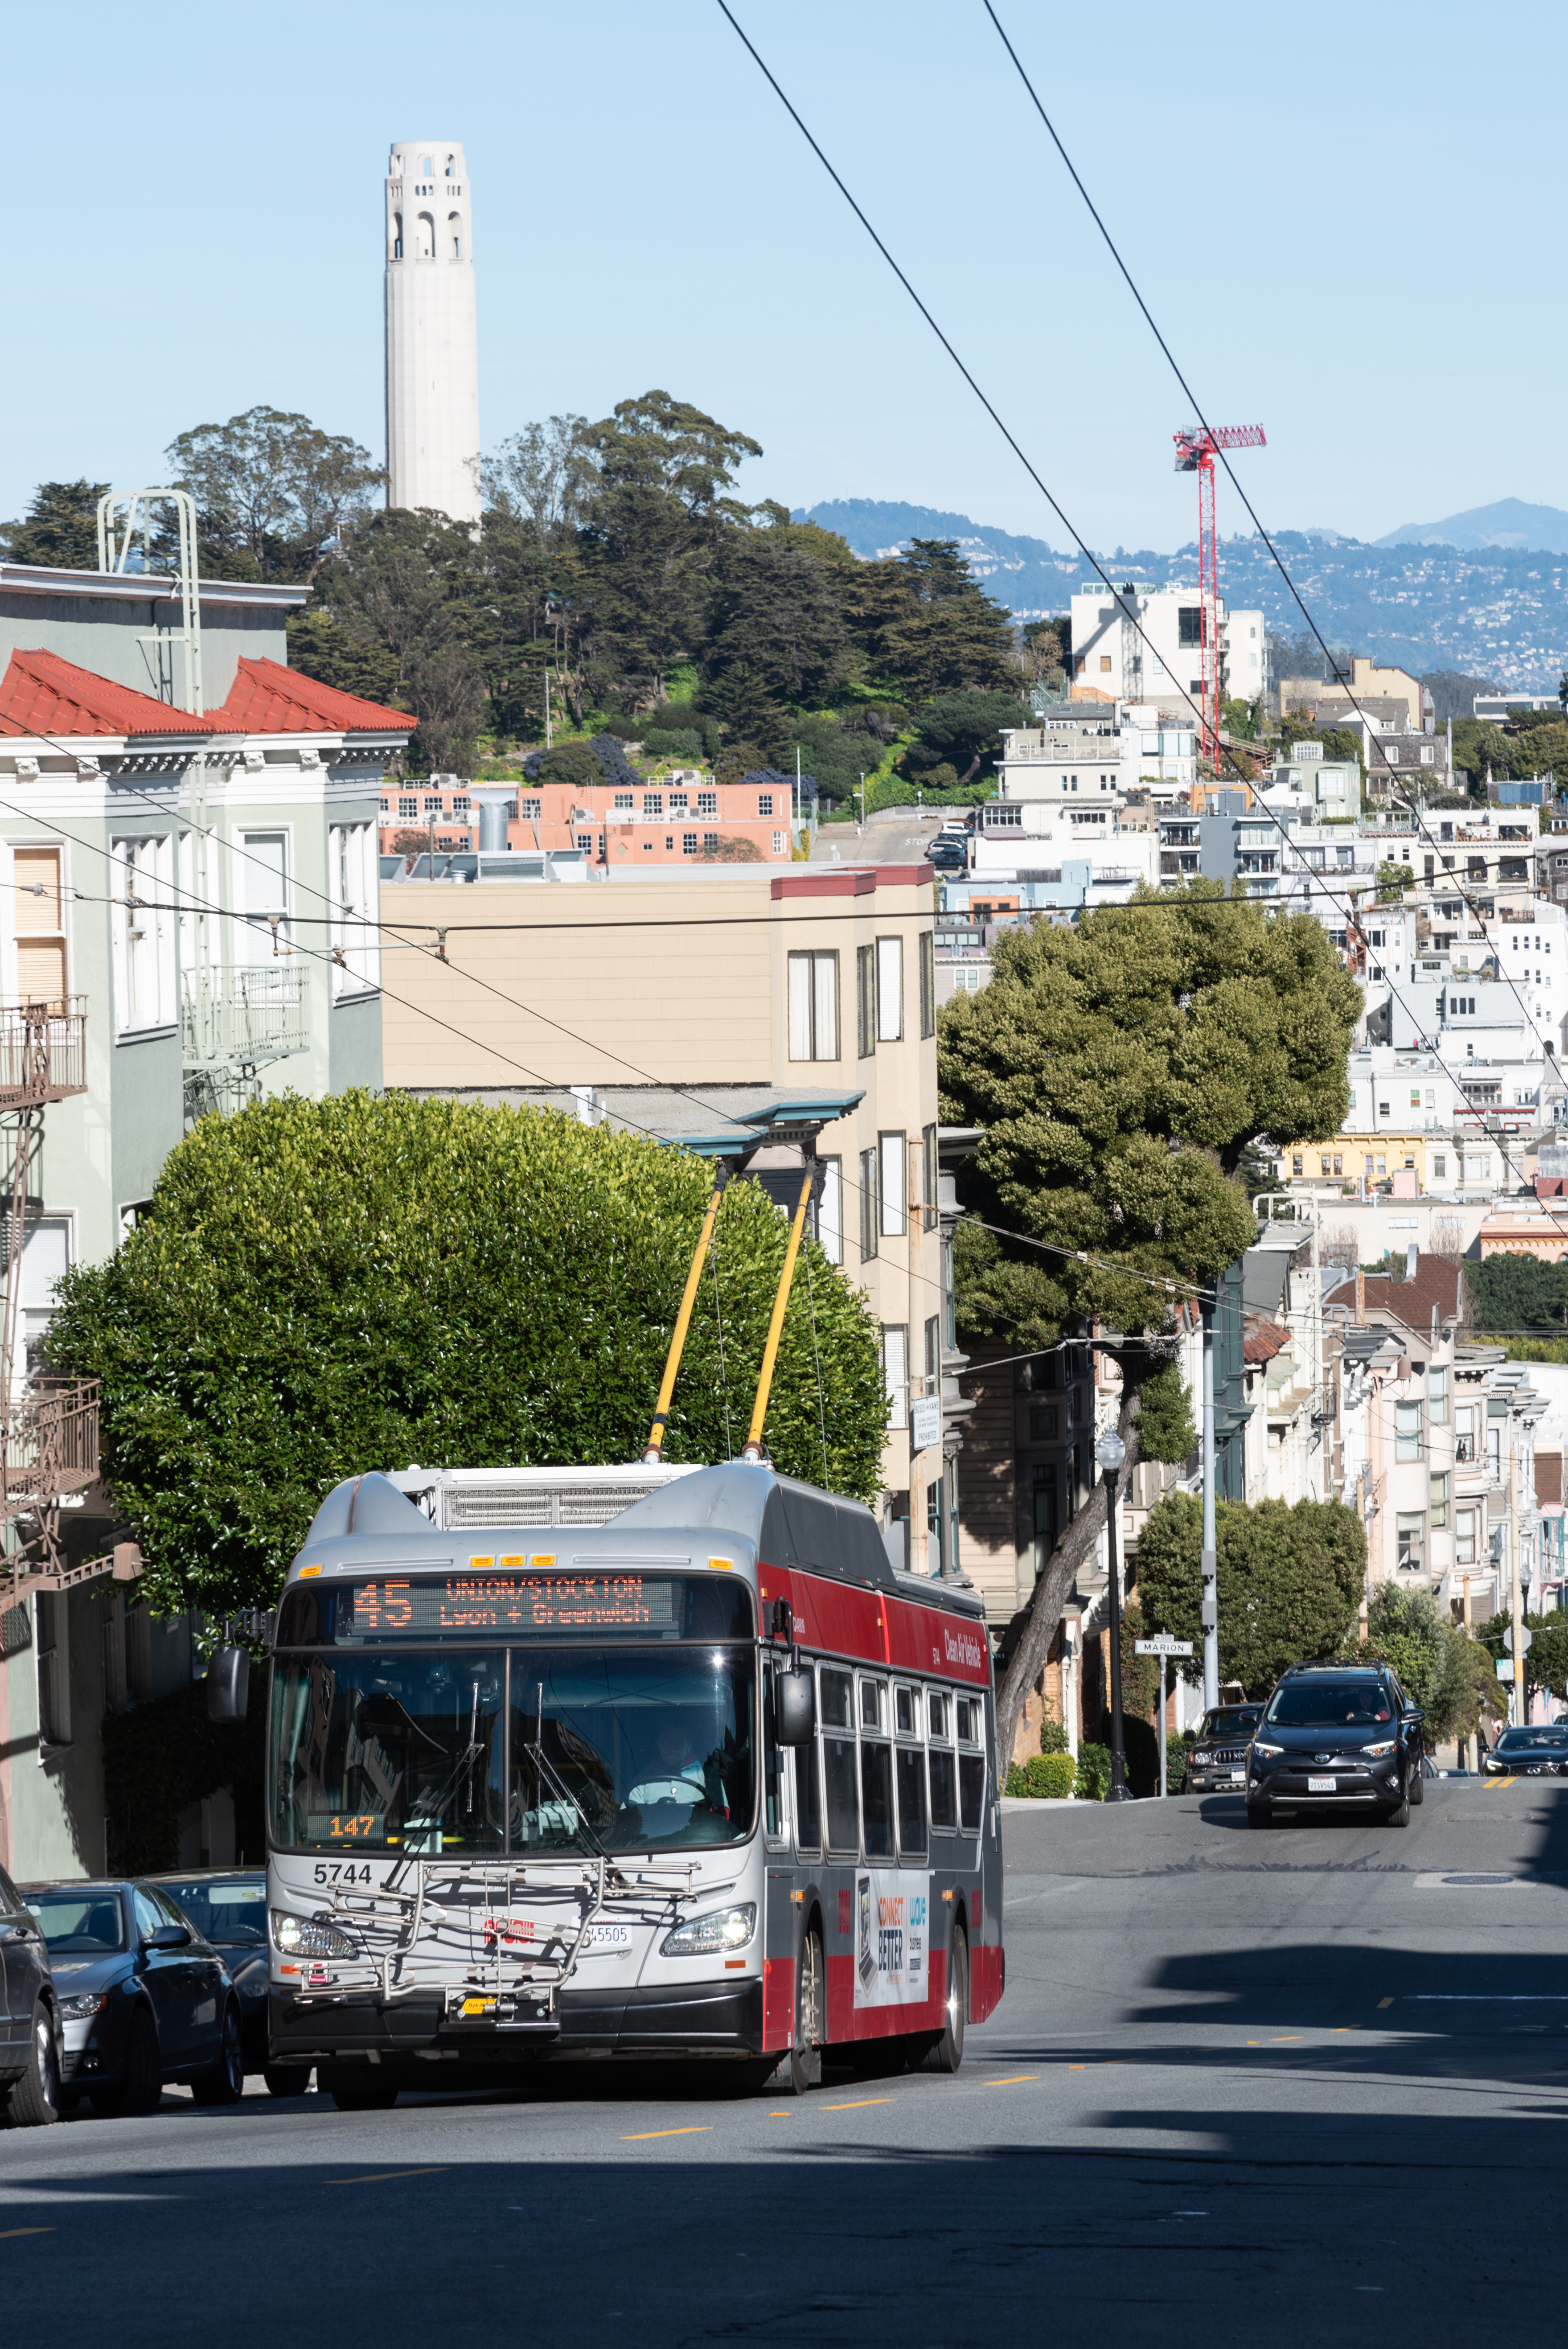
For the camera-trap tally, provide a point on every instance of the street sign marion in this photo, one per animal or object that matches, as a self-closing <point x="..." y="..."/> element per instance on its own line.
<point x="1162" y="1646"/>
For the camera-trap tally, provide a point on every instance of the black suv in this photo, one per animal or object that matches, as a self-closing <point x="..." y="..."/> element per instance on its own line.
<point x="1218" y="1761"/>
<point x="1335" y="1736"/>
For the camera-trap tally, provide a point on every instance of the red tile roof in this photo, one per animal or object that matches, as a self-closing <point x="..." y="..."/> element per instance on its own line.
<point x="42" y="694"/>
<point x="1266" y="1341"/>
<point x="267" y="698"/>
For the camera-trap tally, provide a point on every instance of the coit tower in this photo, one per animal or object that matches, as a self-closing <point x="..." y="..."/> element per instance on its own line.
<point x="432" y="332"/>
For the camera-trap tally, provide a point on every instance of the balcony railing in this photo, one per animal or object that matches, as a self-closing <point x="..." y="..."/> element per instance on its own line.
<point x="43" y="1051"/>
<point x="244" y="1014"/>
<point x="49" y="1444"/>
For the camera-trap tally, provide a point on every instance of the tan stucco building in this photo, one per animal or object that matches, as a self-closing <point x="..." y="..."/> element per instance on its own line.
<point x="690" y="1002"/>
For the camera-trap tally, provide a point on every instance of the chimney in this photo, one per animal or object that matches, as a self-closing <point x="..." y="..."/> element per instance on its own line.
<point x="1411" y="1256"/>
<point x="1360" y="1299"/>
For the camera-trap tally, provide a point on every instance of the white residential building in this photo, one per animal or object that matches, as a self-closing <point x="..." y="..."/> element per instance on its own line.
<point x="1144" y="644"/>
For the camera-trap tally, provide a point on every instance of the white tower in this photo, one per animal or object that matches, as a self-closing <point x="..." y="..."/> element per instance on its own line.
<point x="432" y="332"/>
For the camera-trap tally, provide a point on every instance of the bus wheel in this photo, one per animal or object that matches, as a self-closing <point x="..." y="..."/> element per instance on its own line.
<point x="803" y="2066"/>
<point x="356" y="2091"/>
<point x="948" y="2053"/>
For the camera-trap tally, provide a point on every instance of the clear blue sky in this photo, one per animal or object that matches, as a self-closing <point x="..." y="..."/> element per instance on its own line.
<point x="1347" y="218"/>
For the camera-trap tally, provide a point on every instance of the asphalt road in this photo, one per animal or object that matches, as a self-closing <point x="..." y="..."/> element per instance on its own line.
<point x="889" y="836"/>
<point x="1338" y="2070"/>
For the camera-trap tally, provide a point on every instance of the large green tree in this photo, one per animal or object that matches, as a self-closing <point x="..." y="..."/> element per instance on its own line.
<point x="962" y="730"/>
<point x="321" y="1287"/>
<point x="1516" y="1292"/>
<point x="273" y="490"/>
<point x="408" y="582"/>
<point x="1120" y="1072"/>
<point x="1449" y="1675"/>
<point x="60" y="528"/>
<point x="1289" y="1586"/>
<point x="927" y="626"/>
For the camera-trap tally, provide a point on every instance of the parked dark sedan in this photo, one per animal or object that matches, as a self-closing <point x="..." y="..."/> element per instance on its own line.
<point x="1529" y="1754"/>
<point x="30" y="2050"/>
<point x="228" y="1907"/>
<point x="1218" y="1762"/>
<point x="143" y="1998"/>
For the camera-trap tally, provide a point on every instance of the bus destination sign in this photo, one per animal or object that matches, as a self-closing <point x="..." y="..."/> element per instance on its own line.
<point x="554" y="1606"/>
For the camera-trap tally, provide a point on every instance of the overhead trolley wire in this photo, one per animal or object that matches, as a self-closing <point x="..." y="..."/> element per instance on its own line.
<point x="1348" y="906"/>
<point x="1394" y="776"/>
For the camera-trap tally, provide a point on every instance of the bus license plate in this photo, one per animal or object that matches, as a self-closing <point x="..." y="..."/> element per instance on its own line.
<point x="1320" y="1785"/>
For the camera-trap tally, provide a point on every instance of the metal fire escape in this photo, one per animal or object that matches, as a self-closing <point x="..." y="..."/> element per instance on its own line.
<point x="49" y="1427"/>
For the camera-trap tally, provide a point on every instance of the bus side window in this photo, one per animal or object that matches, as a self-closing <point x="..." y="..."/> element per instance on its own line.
<point x="876" y="1771"/>
<point x="839" y="1761"/>
<point x="971" y="1714"/>
<point x="909" y="1775"/>
<point x="807" y="1800"/>
<point x="772" y="1766"/>
<point x="943" y="1776"/>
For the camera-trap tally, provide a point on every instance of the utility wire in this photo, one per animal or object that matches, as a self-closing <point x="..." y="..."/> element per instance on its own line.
<point x="1092" y="559"/>
<point x="1392" y="775"/>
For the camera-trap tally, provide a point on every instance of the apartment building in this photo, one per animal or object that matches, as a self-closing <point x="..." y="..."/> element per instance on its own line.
<point x="185" y="897"/>
<point x="1403" y="699"/>
<point x="719" y="999"/>
<point x="1143" y="644"/>
<point x="668" y="819"/>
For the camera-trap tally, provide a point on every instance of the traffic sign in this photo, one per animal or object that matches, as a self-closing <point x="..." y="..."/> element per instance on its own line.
<point x="1505" y="1667"/>
<point x="1508" y="1640"/>
<point x="925" y="1422"/>
<point x="1163" y="1647"/>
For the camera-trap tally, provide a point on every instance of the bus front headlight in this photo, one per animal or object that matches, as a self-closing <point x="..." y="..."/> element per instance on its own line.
<point x="309" y="1937"/>
<point x="720" y="1929"/>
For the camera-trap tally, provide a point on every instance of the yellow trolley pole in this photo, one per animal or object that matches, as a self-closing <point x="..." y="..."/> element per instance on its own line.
<point x="753" y="1449"/>
<point x="654" y="1453"/>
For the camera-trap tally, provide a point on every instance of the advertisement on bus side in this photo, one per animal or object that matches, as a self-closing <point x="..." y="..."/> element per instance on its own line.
<point x="892" y="1917"/>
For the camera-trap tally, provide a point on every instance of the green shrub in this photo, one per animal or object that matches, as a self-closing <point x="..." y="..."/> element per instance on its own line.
<point x="1043" y="1778"/>
<point x="1051" y="1776"/>
<point x="1093" y="1781"/>
<point x="1177" y="1750"/>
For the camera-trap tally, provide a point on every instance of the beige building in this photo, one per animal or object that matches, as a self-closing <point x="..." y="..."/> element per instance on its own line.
<point x="1399" y="700"/>
<point x="710" y="1005"/>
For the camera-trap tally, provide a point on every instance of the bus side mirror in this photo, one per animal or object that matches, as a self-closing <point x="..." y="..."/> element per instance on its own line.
<point x="796" y="1708"/>
<point x="228" y="1684"/>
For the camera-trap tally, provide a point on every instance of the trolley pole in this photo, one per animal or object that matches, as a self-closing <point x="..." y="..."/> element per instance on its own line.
<point x="1110" y="1452"/>
<point x="1210" y="1560"/>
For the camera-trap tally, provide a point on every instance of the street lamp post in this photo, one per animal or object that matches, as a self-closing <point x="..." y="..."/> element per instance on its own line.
<point x="1110" y="1452"/>
<point x="1521" y="1680"/>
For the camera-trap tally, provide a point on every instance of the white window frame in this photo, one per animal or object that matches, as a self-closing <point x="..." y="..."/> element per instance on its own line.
<point x="812" y="1007"/>
<point x="831" y="1211"/>
<point x="896" y="1371"/>
<point x="146" y="975"/>
<point x="893" y="1184"/>
<point x="354" y="885"/>
<point x="254" y="933"/>
<point x="890" y="990"/>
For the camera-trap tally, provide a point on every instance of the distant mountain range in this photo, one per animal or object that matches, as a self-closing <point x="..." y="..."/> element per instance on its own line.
<point x="1419" y="598"/>
<point x="1509" y="523"/>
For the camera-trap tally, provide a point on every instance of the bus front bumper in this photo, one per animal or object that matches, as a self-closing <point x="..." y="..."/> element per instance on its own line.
<point x="701" y="2018"/>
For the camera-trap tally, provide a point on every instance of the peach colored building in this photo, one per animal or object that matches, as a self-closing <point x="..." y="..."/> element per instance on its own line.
<point x="689" y="1002"/>
<point x="673" y="820"/>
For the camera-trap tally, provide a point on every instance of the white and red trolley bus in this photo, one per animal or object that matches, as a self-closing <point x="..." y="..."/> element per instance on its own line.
<point x="709" y="1779"/>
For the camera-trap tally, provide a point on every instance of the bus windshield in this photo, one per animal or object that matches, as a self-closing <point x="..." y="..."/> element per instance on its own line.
<point x="535" y="1750"/>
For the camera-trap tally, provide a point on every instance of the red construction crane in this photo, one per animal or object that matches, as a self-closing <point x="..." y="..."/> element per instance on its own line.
<point x="1195" y="452"/>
